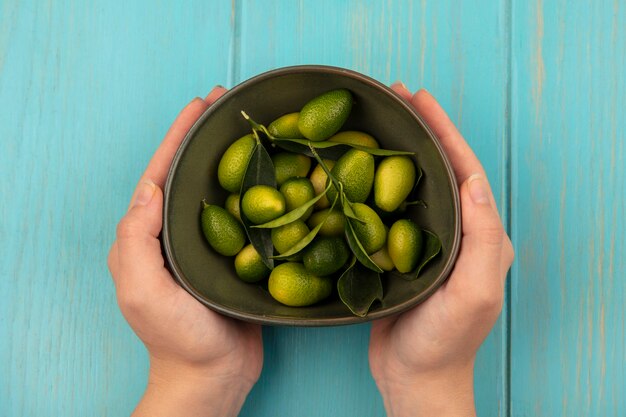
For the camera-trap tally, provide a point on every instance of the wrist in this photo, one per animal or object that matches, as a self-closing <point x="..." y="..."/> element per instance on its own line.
<point x="175" y="389"/>
<point x="439" y="393"/>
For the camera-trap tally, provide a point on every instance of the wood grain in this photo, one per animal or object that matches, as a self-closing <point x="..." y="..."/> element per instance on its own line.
<point x="567" y="335"/>
<point x="87" y="90"/>
<point x="436" y="45"/>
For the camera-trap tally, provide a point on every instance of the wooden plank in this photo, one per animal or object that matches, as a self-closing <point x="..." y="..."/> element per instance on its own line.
<point x="459" y="51"/>
<point x="87" y="91"/>
<point x="568" y="345"/>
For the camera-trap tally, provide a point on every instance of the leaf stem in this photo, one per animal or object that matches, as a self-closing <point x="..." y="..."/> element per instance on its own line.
<point x="421" y="203"/>
<point x="256" y="127"/>
<point x="334" y="180"/>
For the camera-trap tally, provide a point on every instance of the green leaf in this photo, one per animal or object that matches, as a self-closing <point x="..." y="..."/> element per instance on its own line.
<point x="380" y="152"/>
<point x="421" y="203"/>
<point x="331" y="150"/>
<point x="412" y="199"/>
<point x="338" y="185"/>
<point x="291" y="146"/>
<point x="303" y="243"/>
<point x="432" y="247"/>
<point x="419" y="176"/>
<point x="260" y="171"/>
<point x="294" y="214"/>
<point x="346" y="205"/>
<point x="357" y="247"/>
<point x="358" y="288"/>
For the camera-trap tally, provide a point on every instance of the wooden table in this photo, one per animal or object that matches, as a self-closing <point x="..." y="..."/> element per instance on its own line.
<point x="88" y="89"/>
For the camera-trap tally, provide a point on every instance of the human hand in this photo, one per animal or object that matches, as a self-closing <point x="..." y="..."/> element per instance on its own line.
<point x="423" y="360"/>
<point x="201" y="363"/>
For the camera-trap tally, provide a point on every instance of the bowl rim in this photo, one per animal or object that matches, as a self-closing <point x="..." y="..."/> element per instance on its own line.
<point x="176" y="271"/>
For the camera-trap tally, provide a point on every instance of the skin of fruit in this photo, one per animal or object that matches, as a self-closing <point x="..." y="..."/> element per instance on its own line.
<point x="372" y="233"/>
<point x="404" y="244"/>
<point x="334" y="224"/>
<point x="223" y="232"/>
<point x="232" y="166"/>
<point x="298" y="191"/>
<point x="286" y="127"/>
<point x="355" y="170"/>
<point x="291" y="284"/>
<point x="232" y="205"/>
<point x="324" y="115"/>
<point x="285" y="237"/>
<point x="393" y="182"/>
<point x="319" y="180"/>
<point x="249" y="266"/>
<point x="382" y="259"/>
<point x="262" y="203"/>
<point x="326" y="255"/>
<point x="290" y="165"/>
<point x="355" y="137"/>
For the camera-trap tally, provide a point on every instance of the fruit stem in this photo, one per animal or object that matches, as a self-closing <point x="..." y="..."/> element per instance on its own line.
<point x="256" y="127"/>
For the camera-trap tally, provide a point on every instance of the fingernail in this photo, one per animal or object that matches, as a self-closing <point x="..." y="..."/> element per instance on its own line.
<point x="145" y="192"/>
<point x="478" y="189"/>
<point x="425" y="90"/>
<point x="400" y="84"/>
<point x="218" y="86"/>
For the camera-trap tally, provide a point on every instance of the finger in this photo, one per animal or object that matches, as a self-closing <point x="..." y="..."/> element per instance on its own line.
<point x="463" y="160"/>
<point x="162" y="159"/>
<point x="507" y="257"/>
<point x="478" y="271"/>
<point x="401" y="89"/>
<point x="112" y="259"/>
<point x="217" y="92"/>
<point x="139" y="258"/>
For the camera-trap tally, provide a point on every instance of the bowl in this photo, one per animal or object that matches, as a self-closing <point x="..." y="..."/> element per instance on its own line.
<point x="377" y="110"/>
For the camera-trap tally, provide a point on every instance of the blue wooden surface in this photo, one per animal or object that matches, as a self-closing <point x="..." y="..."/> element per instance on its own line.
<point x="88" y="90"/>
<point x="568" y="344"/>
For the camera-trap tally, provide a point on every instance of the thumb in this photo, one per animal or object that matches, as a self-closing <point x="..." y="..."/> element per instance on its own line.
<point x="478" y="267"/>
<point x="139" y="249"/>
<point x="480" y="216"/>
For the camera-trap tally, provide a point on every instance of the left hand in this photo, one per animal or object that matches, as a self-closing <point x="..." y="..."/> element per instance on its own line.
<point x="423" y="359"/>
<point x="200" y="362"/>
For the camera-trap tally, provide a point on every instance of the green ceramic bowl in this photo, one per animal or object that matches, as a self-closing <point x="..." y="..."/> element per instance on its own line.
<point x="211" y="278"/>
